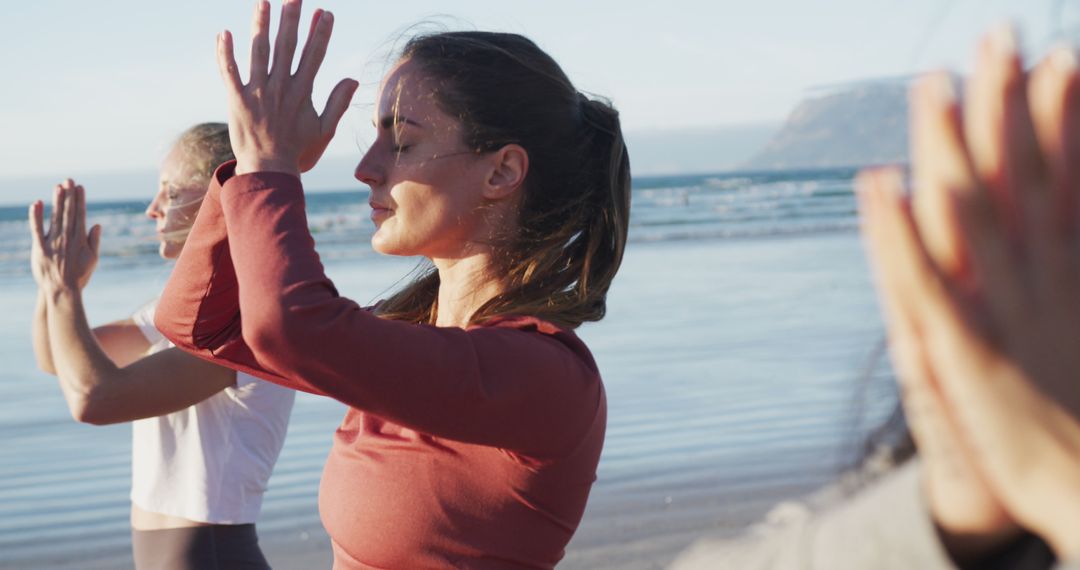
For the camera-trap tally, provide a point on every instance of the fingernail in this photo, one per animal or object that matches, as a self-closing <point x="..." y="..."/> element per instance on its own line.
<point x="328" y="17"/>
<point x="1004" y="40"/>
<point x="1064" y="59"/>
<point x="891" y="181"/>
<point x="942" y="88"/>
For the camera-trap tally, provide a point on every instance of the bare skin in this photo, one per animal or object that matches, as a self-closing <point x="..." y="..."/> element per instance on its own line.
<point x="978" y="283"/>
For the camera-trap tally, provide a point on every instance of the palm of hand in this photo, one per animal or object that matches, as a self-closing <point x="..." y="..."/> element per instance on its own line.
<point x="982" y="278"/>
<point x="66" y="255"/>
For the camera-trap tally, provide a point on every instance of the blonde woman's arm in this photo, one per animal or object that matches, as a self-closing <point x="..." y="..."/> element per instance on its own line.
<point x="122" y="340"/>
<point x="96" y="388"/>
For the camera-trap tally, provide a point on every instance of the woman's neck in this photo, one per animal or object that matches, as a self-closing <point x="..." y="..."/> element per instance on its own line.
<point x="465" y="284"/>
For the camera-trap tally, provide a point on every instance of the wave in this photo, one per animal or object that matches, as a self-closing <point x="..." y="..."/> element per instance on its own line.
<point x="667" y="208"/>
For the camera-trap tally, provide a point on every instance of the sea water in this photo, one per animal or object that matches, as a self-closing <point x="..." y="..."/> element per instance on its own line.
<point x="735" y="355"/>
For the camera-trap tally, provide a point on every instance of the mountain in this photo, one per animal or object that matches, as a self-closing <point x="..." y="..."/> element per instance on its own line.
<point x="856" y="126"/>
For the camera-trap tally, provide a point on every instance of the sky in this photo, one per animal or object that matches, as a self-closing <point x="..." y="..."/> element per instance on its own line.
<point x="96" y="88"/>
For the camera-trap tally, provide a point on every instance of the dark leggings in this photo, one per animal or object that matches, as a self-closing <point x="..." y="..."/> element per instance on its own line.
<point x="213" y="547"/>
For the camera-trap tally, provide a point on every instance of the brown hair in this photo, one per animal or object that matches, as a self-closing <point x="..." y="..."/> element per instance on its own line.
<point x="572" y="222"/>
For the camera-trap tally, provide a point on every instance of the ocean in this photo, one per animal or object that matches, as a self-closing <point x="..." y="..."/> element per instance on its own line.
<point x="738" y="355"/>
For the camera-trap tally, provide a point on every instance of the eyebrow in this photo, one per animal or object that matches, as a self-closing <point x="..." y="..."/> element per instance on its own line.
<point x="389" y="121"/>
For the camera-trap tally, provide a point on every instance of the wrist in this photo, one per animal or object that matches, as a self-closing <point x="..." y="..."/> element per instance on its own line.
<point x="251" y="165"/>
<point x="57" y="293"/>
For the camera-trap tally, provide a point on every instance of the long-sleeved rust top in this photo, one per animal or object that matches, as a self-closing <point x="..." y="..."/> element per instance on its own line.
<point x="461" y="448"/>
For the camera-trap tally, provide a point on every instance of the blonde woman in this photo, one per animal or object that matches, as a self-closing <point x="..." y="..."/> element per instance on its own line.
<point x="205" y="438"/>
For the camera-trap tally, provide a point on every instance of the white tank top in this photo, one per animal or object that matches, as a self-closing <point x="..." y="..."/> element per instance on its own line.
<point x="209" y="462"/>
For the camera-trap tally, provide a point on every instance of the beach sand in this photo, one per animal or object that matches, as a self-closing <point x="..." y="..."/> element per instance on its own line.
<point x="733" y="372"/>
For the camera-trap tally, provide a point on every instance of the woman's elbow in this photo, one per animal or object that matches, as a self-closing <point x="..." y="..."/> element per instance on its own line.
<point x="166" y="322"/>
<point x="84" y="411"/>
<point x="46" y="366"/>
<point x="92" y="406"/>
<point x="268" y="335"/>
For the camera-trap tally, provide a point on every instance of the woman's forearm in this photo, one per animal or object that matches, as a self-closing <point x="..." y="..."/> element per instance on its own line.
<point x="82" y="366"/>
<point x="509" y="383"/>
<point x="99" y="392"/>
<point x="40" y="332"/>
<point x="199" y="310"/>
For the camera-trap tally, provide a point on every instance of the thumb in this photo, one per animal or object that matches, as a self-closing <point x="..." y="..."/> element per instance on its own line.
<point x="336" y="105"/>
<point x="36" y="222"/>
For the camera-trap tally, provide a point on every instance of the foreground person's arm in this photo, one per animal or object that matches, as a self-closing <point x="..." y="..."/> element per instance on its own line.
<point x="886" y="526"/>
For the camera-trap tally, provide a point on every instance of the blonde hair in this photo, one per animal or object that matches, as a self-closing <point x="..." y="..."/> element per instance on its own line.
<point x="203" y="148"/>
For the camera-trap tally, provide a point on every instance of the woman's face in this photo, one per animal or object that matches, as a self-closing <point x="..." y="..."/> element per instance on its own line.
<point x="426" y="185"/>
<point x="177" y="201"/>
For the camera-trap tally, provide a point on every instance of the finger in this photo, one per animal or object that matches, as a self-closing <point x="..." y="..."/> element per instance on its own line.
<point x="71" y="208"/>
<point x="903" y="267"/>
<point x="322" y="25"/>
<point x="227" y="64"/>
<point x="921" y="397"/>
<point x="36" y="215"/>
<point x="59" y="200"/>
<point x="80" y="211"/>
<point x="1001" y="135"/>
<point x="260" y="43"/>
<point x="940" y="166"/>
<point x="1054" y="96"/>
<point x="94" y="239"/>
<point x="285" y="44"/>
<point x="336" y="106"/>
<point x="868" y="194"/>
<point x="955" y="340"/>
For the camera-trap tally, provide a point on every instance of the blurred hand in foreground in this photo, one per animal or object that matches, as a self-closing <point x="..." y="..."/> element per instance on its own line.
<point x="979" y="274"/>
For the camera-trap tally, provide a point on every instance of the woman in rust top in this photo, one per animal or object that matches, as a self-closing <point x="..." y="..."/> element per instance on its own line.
<point x="476" y="416"/>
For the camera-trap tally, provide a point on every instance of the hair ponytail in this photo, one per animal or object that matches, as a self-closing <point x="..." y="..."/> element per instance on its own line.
<point x="609" y="223"/>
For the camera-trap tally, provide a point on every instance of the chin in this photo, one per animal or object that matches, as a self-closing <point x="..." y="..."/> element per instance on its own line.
<point x="170" y="250"/>
<point x="390" y="246"/>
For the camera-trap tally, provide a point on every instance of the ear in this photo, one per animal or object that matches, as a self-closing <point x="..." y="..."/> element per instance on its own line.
<point x="509" y="165"/>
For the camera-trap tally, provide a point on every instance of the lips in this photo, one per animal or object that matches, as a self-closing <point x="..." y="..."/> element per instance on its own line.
<point x="379" y="211"/>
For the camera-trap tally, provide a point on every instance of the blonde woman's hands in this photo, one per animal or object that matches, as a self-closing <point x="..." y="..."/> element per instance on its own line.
<point x="273" y="123"/>
<point x="64" y="257"/>
<point x="986" y="269"/>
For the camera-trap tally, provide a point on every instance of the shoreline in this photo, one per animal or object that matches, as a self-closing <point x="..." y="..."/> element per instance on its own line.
<point x="730" y="367"/>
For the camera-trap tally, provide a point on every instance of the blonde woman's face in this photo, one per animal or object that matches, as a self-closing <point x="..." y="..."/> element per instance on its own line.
<point x="179" y="195"/>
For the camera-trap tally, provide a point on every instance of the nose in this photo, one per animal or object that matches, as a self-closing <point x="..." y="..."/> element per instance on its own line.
<point x="154" y="211"/>
<point x="369" y="171"/>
